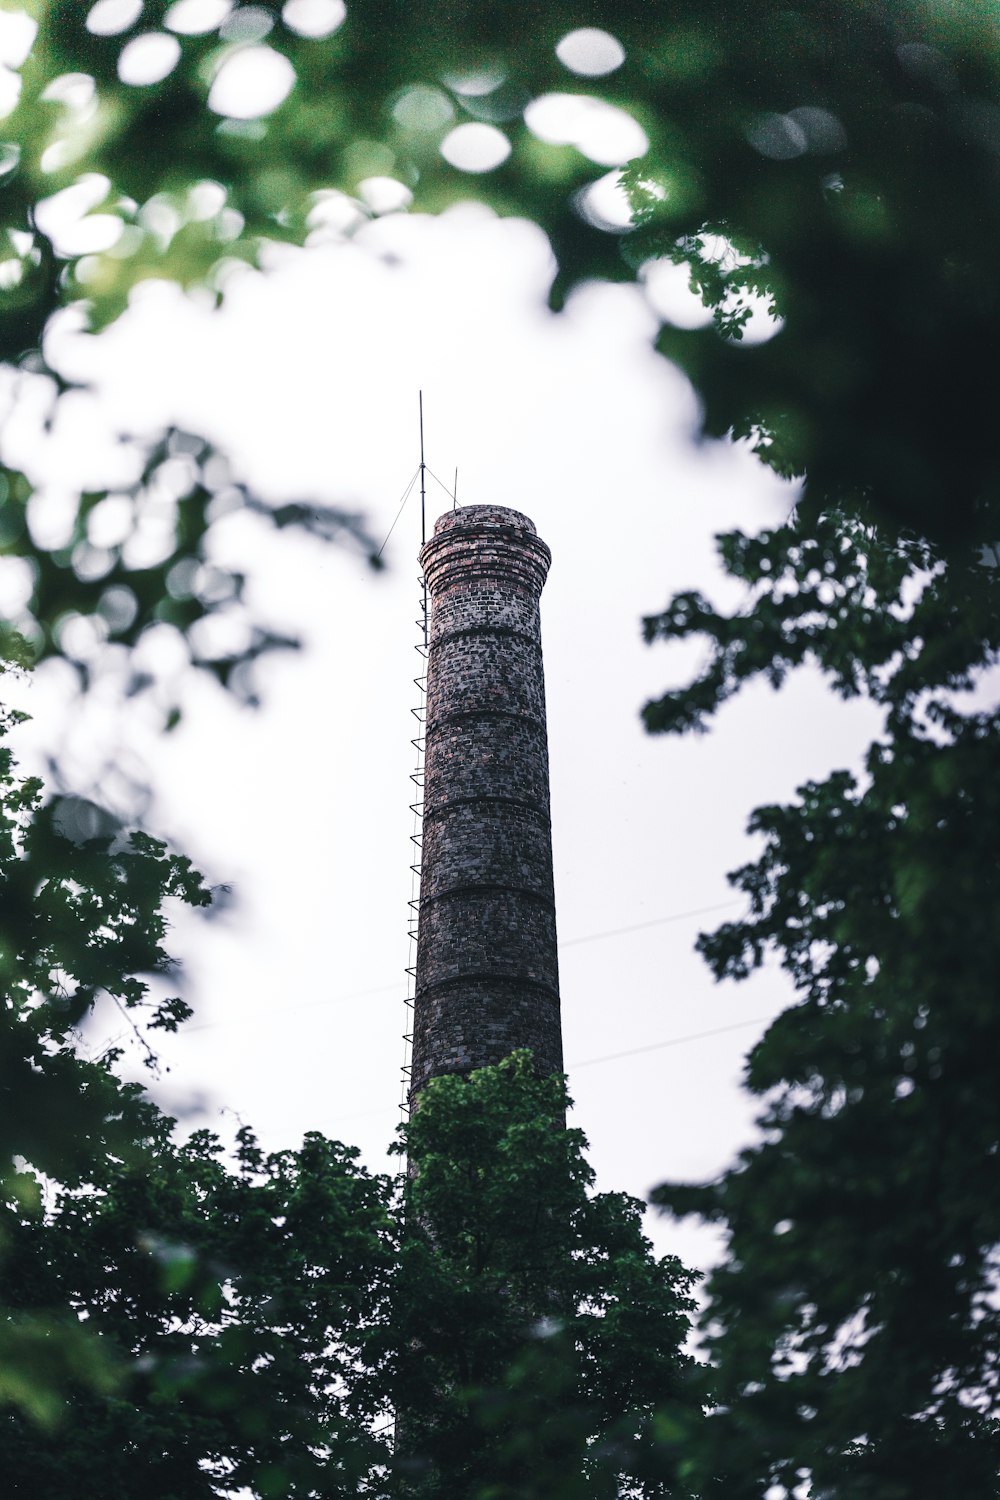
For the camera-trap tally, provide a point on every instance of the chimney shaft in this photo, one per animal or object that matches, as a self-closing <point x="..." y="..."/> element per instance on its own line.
<point x="487" y="978"/>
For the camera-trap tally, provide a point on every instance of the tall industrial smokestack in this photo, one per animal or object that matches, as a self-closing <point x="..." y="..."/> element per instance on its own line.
<point x="486" y="976"/>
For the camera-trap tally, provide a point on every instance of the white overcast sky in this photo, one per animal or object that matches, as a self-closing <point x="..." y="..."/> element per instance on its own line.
<point x="308" y="379"/>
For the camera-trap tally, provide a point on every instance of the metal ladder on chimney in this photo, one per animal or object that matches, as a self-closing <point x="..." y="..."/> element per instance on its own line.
<point x="419" y="713"/>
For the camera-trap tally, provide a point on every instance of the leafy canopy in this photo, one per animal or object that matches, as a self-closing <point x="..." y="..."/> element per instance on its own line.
<point x="173" y="1323"/>
<point x="836" y="162"/>
<point x="536" y="1341"/>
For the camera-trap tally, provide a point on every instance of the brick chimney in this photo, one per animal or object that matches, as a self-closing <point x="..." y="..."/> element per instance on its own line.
<point x="486" y="975"/>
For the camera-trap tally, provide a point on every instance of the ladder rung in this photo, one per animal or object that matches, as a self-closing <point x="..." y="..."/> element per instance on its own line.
<point x="419" y="743"/>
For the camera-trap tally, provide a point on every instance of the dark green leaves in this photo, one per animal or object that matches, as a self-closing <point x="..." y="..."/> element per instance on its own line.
<point x="852" y="1324"/>
<point x="536" y="1340"/>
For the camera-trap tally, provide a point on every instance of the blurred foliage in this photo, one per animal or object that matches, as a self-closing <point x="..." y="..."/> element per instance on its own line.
<point x="91" y="602"/>
<point x="82" y="918"/>
<point x="837" y="163"/>
<point x="176" y="1326"/>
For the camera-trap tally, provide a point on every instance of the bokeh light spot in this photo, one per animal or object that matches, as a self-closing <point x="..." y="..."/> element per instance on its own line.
<point x="475" y="147"/>
<point x="10" y="90"/>
<point x="61" y="216"/>
<point x="111" y="520"/>
<point x="196" y="17"/>
<point x="118" y="607"/>
<point x="604" y="204"/>
<point x="17" y="584"/>
<point x="75" y="90"/>
<point x="180" y="579"/>
<point x="80" y="820"/>
<point x="926" y="63"/>
<point x="384" y="195"/>
<point x="495" y="106"/>
<point x="148" y="58"/>
<point x="91" y="563"/>
<point x="761" y="326"/>
<point x="333" y="214"/>
<point x="474" y="85"/>
<point x="423" y="109"/>
<point x="601" y="131"/>
<point x="808" y="128"/>
<point x="248" y="24"/>
<point x="590" y="52"/>
<point x="205" y="200"/>
<point x="91" y="234"/>
<point x="823" y="131"/>
<point x="314" y="18"/>
<point x="251" y="82"/>
<point x="80" y="637"/>
<point x="109" y="17"/>
<point x="17" y="36"/>
<point x="779" y="137"/>
<point x="668" y="290"/>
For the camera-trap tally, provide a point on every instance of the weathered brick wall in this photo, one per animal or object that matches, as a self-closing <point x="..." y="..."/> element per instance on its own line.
<point x="487" y="980"/>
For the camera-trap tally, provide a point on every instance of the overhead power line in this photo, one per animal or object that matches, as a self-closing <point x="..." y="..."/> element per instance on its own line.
<point x="677" y="916"/>
<point x="672" y="1041"/>
<point x="590" y="1062"/>
<point x="383" y="989"/>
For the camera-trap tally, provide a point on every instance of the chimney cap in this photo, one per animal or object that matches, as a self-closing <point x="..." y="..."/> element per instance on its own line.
<point x="479" y="517"/>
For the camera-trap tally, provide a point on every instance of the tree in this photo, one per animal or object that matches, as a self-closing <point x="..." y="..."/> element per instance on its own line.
<point x="185" y="1326"/>
<point x="170" y="1325"/>
<point x="83" y="917"/>
<point x="536" y="1342"/>
<point x="233" y="1304"/>
<point x="853" y="1321"/>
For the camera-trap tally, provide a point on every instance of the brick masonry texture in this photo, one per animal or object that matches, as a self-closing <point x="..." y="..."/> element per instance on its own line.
<point x="487" y="977"/>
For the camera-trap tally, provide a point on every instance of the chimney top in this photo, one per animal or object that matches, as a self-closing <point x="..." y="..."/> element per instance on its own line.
<point x="480" y="542"/>
<point x="478" y="517"/>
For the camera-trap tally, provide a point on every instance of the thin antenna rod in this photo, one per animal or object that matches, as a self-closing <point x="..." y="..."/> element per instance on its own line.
<point x="423" y="519"/>
<point x="423" y="488"/>
<point x="454" y="493"/>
